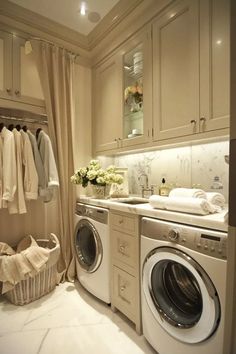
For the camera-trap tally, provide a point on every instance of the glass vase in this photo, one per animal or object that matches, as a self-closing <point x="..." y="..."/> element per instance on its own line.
<point x="101" y="192"/>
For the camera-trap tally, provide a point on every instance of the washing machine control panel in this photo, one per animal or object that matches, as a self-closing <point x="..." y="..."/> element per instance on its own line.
<point x="210" y="242"/>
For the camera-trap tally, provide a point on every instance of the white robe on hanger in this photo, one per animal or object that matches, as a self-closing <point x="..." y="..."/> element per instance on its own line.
<point x="18" y="204"/>
<point x="50" y="168"/>
<point x="8" y="166"/>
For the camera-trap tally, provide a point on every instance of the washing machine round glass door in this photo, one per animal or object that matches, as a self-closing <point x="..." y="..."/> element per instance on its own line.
<point x="88" y="246"/>
<point x="180" y="295"/>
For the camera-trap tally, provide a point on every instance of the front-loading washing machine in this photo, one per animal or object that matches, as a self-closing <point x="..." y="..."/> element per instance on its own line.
<point x="92" y="247"/>
<point x="183" y="287"/>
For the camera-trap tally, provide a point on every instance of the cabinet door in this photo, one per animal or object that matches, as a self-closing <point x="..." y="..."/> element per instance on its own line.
<point x="215" y="64"/>
<point x="107" y="108"/>
<point x="5" y="65"/>
<point x="26" y="82"/>
<point x="137" y="88"/>
<point x="176" y="71"/>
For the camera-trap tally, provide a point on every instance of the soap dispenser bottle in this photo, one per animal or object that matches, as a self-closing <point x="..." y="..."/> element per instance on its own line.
<point x="163" y="189"/>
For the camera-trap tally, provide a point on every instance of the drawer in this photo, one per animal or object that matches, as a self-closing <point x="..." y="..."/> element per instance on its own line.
<point x="124" y="222"/>
<point x="125" y="248"/>
<point x="124" y="292"/>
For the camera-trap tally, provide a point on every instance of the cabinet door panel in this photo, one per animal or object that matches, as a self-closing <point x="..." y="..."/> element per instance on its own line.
<point x="108" y="104"/>
<point x="215" y="64"/>
<point x="26" y="82"/>
<point x="5" y="65"/>
<point x="176" y="71"/>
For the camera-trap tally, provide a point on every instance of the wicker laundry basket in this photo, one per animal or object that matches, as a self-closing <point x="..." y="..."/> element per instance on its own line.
<point x="32" y="288"/>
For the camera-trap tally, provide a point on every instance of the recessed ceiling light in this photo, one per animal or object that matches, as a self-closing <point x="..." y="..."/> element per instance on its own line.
<point x="83" y="8"/>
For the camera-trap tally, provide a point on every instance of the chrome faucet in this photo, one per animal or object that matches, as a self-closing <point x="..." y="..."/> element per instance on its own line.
<point x="145" y="187"/>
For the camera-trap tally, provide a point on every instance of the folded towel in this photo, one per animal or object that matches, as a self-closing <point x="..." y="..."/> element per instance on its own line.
<point x="198" y="206"/>
<point x="158" y="201"/>
<point x="187" y="193"/>
<point x="216" y="198"/>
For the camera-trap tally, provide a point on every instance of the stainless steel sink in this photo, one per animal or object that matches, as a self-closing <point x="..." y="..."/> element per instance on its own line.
<point x="131" y="200"/>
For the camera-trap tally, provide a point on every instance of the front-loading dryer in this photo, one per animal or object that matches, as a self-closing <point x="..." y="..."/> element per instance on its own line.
<point x="92" y="248"/>
<point x="183" y="287"/>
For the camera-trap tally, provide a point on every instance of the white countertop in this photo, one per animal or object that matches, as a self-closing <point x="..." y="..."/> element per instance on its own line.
<point x="212" y="221"/>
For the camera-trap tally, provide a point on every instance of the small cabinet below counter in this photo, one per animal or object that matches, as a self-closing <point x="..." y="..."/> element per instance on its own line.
<point x="124" y="229"/>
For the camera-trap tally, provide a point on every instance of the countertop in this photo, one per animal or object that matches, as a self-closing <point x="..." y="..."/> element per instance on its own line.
<point x="212" y="221"/>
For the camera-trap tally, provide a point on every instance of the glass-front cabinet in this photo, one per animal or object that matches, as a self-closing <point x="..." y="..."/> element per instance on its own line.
<point x="137" y="90"/>
<point x="122" y="101"/>
<point x="133" y="92"/>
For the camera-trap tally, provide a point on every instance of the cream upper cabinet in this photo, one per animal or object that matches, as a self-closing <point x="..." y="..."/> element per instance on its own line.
<point x="122" y="105"/>
<point x="191" y="69"/>
<point x="107" y="105"/>
<point x="5" y="64"/>
<point x="214" y="64"/>
<point x="176" y="71"/>
<point x="19" y="78"/>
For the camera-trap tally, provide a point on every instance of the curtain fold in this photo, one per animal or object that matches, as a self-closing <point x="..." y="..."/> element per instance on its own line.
<point x="55" y="66"/>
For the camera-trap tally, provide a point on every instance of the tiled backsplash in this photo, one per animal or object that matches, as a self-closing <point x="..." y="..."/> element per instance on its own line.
<point x="183" y="166"/>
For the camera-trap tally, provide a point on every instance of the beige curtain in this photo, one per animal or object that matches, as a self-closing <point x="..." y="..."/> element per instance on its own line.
<point x="55" y="67"/>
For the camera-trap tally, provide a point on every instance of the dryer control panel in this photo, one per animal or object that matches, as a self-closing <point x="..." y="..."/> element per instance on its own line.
<point x="210" y="242"/>
<point x="95" y="213"/>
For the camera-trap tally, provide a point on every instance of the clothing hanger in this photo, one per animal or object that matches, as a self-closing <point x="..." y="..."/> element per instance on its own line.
<point x="1" y="126"/>
<point x="25" y="128"/>
<point x="37" y="132"/>
<point x="18" y="127"/>
<point x="10" y="127"/>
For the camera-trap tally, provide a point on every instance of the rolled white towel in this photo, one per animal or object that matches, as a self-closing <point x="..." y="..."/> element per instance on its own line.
<point x="157" y="201"/>
<point x="187" y="193"/>
<point x="198" y="206"/>
<point x="216" y="198"/>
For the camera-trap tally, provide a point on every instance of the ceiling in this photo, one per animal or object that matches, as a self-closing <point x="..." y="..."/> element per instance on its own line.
<point x="68" y="14"/>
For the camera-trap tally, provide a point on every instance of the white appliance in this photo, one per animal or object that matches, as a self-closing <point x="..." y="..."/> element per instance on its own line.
<point x="92" y="247"/>
<point x="183" y="287"/>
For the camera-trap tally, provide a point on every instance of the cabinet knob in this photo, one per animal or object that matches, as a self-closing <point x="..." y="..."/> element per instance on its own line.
<point x="17" y="92"/>
<point x="8" y="90"/>
<point x="122" y="249"/>
<point x="122" y="288"/>
<point x="115" y="139"/>
<point x="193" y="121"/>
<point x="202" y="119"/>
<point x="121" y="221"/>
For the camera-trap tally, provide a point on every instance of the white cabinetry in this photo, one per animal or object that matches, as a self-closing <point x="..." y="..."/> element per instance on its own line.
<point x="176" y="71"/>
<point x="19" y="78"/>
<point x="125" y="265"/>
<point x="214" y="64"/>
<point x="119" y="121"/>
<point x="191" y="69"/>
<point x="107" y="107"/>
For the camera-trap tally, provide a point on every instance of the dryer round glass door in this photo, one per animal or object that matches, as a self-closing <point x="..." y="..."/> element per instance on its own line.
<point x="88" y="246"/>
<point x="180" y="295"/>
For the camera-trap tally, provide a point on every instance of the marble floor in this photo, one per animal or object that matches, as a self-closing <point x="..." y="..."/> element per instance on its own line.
<point x="67" y="321"/>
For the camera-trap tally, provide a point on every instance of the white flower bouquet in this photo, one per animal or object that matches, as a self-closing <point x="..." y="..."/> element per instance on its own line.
<point x="96" y="175"/>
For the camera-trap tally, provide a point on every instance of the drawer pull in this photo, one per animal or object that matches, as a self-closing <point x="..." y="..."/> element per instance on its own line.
<point x="8" y="90"/>
<point x="122" y="288"/>
<point x="121" y="221"/>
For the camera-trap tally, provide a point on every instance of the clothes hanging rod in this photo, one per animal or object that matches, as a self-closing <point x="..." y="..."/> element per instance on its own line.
<point x="25" y="120"/>
<point x="53" y="44"/>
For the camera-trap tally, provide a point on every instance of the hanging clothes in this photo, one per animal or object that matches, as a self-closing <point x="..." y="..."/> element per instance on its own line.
<point x="18" y="204"/>
<point x="50" y="168"/>
<point x="29" y="170"/>
<point x="38" y="164"/>
<point x="8" y="159"/>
